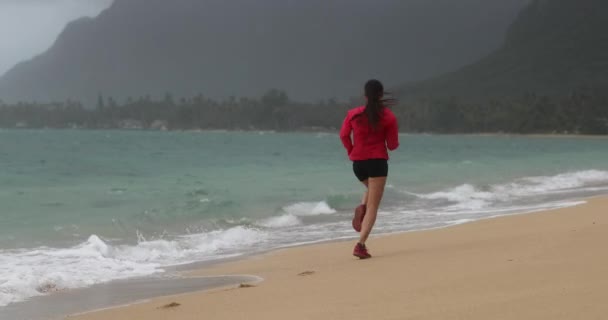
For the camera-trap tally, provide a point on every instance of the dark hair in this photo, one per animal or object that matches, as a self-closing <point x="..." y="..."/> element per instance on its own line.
<point x="374" y="91"/>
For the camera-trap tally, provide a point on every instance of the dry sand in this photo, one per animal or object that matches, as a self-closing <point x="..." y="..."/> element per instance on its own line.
<point x="548" y="265"/>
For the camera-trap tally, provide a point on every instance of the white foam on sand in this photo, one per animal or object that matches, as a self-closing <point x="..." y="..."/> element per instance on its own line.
<point x="34" y="272"/>
<point x="470" y="197"/>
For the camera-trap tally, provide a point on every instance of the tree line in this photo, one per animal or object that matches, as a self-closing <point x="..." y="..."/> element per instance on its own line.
<point x="579" y="112"/>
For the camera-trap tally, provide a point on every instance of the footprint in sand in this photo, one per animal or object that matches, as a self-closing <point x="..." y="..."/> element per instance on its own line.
<point x="306" y="273"/>
<point x="171" y="305"/>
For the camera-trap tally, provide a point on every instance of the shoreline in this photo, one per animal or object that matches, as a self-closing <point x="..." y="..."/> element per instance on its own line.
<point x="397" y="229"/>
<point x="271" y="265"/>
<point x="117" y="294"/>
<point x="325" y="131"/>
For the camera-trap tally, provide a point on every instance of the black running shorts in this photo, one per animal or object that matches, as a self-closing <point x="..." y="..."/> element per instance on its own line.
<point x="373" y="168"/>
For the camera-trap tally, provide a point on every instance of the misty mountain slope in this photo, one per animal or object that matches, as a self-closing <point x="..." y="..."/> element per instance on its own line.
<point x="554" y="47"/>
<point x="312" y="49"/>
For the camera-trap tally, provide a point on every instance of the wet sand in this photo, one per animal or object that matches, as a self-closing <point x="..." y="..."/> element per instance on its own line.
<point x="57" y="305"/>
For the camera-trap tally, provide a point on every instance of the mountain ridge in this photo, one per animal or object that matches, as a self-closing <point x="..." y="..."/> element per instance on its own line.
<point x="553" y="47"/>
<point x="313" y="50"/>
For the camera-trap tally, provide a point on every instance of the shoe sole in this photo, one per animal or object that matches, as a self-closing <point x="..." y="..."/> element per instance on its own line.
<point x="362" y="257"/>
<point x="358" y="218"/>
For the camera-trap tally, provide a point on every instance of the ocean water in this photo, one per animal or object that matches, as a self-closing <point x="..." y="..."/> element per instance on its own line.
<point x="79" y="208"/>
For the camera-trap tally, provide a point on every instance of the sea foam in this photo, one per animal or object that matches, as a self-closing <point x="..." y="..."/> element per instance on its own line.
<point x="470" y="197"/>
<point x="309" y="209"/>
<point x="34" y="272"/>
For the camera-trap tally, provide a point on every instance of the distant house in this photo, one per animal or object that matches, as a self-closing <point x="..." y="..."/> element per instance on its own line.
<point x="161" y="125"/>
<point x="130" y="124"/>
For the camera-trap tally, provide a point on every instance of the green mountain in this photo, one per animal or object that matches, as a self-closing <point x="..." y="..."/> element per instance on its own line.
<point x="553" y="48"/>
<point x="313" y="49"/>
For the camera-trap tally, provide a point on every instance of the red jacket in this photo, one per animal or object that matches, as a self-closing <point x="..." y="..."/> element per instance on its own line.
<point x="369" y="143"/>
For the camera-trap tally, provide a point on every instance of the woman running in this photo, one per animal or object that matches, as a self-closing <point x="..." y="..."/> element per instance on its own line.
<point x="374" y="129"/>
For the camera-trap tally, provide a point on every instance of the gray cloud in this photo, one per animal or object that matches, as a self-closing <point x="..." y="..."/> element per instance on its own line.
<point x="29" y="27"/>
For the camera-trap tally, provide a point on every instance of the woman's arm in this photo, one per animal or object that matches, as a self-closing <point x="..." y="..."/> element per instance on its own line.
<point x="345" y="134"/>
<point x="392" y="134"/>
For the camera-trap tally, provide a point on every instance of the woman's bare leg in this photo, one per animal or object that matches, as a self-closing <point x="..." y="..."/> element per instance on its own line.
<point x="364" y="199"/>
<point x="375" y="190"/>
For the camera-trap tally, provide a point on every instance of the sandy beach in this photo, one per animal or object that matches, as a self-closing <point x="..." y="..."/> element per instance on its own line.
<point x="546" y="265"/>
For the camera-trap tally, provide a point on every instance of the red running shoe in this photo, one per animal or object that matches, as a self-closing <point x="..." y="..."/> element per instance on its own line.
<point x="358" y="218"/>
<point x="361" y="251"/>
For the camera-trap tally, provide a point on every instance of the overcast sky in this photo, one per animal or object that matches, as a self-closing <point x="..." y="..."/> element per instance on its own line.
<point x="29" y="27"/>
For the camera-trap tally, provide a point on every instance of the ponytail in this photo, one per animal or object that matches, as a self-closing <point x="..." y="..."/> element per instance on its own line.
<point x="372" y="109"/>
<point x="374" y="91"/>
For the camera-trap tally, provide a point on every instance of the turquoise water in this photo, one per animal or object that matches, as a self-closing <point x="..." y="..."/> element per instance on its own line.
<point x="93" y="206"/>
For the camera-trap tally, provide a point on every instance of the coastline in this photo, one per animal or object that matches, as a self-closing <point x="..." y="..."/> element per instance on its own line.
<point x="483" y="269"/>
<point x="116" y="294"/>
<point x="325" y="131"/>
